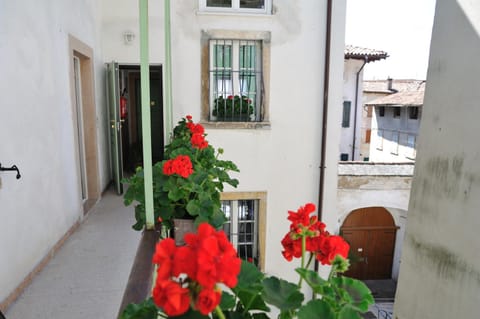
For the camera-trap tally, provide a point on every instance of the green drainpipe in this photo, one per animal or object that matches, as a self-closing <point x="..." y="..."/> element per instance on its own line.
<point x="146" y="130"/>
<point x="168" y="75"/>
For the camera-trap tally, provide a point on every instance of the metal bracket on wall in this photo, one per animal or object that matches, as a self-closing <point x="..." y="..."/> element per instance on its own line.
<point x="13" y="168"/>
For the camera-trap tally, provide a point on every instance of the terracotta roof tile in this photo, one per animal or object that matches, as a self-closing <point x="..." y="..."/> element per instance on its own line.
<point x="352" y="52"/>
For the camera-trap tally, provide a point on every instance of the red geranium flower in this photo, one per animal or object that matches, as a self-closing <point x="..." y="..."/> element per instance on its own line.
<point x="181" y="165"/>
<point x="163" y="257"/>
<point x="198" y="141"/>
<point x="207" y="300"/>
<point x="171" y="297"/>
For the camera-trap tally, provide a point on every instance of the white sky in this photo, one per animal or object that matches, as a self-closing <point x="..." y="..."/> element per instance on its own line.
<point x="402" y="28"/>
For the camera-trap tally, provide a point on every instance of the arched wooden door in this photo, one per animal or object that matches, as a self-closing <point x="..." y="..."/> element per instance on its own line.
<point x="371" y="234"/>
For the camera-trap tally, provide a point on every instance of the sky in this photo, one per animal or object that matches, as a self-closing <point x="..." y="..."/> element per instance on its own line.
<point x="402" y="28"/>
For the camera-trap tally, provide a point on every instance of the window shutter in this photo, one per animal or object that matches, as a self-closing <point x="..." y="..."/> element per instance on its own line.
<point x="346" y="114"/>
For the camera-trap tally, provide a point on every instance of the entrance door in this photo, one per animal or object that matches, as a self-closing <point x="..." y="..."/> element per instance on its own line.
<point x="371" y="235"/>
<point x="80" y="125"/>
<point x="115" y="125"/>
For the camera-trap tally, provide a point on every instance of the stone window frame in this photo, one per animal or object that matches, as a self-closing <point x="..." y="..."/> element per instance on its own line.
<point x="262" y="217"/>
<point x="265" y="38"/>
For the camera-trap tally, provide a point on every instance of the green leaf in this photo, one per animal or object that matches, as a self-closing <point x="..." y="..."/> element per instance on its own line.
<point x="144" y="310"/>
<point x="313" y="279"/>
<point x="282" y="294"/>
<point x="249" y="276"/>
<point x="359" y="296"/>
<point x="252" y="301"/>
<point x="193" y="207"/>
<point x="316" y="309"/>
<point x="190" y="314"/>
<point x="227" y="301"/>
<point x="348" y="313"/>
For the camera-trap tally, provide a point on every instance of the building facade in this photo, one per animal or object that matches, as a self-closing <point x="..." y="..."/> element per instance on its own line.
<point x="58" y="132"/>
<point x="439" y="274"/>
<point x="396" y="120"/>
<point x="356" y="59"/>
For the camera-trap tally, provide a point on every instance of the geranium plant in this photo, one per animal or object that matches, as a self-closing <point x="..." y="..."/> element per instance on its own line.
<point x="232" y="108"/>
<point x="188" y="183"/>
<point x="205" y="278"/>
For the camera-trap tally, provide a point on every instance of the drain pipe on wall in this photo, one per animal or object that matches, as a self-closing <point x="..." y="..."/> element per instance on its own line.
<point x="326" y="86"/>
<point x="365" y="61"/>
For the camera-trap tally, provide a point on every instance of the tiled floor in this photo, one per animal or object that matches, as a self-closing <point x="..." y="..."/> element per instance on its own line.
<point x="87" y="276"/>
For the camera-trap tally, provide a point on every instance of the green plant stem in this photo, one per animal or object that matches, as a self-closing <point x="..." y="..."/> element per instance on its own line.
<point x="219" y="312"/>
<point x="304" y="248"/>
<point x="309" y="260"/>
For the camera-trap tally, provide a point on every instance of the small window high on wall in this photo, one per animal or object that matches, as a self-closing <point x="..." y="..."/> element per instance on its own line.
<point x="241" y="6"/>
<point x="346" y="113"/>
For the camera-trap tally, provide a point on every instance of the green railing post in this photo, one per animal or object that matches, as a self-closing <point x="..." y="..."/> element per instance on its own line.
<point x="168" y="75"/>
<point x="146" y="129"/>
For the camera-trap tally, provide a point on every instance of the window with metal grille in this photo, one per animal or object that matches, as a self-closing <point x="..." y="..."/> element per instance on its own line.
<point x="242" y="6"/>
<point x="381" y="111"/>
<point x="235" y="80"/>
<point x="242" y="227"/>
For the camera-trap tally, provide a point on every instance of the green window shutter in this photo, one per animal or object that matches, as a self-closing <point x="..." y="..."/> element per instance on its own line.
<point x="346" y="113"/>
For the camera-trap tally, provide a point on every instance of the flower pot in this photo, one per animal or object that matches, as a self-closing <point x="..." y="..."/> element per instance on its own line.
<point x="180" y="228"/>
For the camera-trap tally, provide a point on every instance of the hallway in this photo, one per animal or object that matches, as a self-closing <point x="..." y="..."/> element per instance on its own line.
<point x="87" y="276"/>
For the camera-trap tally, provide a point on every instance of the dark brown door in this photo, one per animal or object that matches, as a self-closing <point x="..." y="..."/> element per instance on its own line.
<point x="371" y="235"/>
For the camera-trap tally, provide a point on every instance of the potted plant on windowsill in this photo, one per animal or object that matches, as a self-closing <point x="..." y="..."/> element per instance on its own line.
<point x="234" y="108"/>
<point x="187" y="184"/>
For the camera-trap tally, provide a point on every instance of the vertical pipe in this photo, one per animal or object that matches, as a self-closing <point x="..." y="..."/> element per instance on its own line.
<point x="168" y="122"/>
<point x="326" y="87"/>
<point x="146" y="130"/>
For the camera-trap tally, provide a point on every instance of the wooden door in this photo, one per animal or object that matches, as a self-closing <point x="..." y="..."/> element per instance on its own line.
<point x="371" y="235"/>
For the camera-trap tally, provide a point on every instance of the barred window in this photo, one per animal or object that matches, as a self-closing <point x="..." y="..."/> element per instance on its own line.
<point x="235" y="80"/>
<point x="243" y="6"/>
<point x="242" y="227"/>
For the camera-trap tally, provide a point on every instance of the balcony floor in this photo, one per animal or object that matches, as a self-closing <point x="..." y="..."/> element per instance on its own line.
<point x="87" y="276"/>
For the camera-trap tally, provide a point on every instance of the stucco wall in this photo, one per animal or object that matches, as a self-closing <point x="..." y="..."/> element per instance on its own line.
<point x="388" y="124"/>
<point x="284" y="158"/>
<point x="352" y="66"/>
<point x="366" y="184"/>
<point x="37" y="131"/>
<point x="440" y="271"/>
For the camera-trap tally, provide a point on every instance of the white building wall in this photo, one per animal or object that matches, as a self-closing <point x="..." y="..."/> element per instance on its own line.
<point x="37" y="131"/>
<point x="440" y="271"/>
<point x="383" y="146"/>
<point x="347" y="145"/>
<point x="284" y="158"/>
<point x="362" y="185"/>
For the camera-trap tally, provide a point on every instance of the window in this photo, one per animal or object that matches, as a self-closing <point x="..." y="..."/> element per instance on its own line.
<point x="344" y="157"/>
<point x="413" y="112"/>
<point x="396" y="112"/>
<point x="380" y="140"/>
<point x="381" y="111"/>
<point x="242" y="6"/>
<point x="394" y="143"/>
<point x="234" y="80"/>
<point x="411" y="147"/>
<point x="245" y="226"/>
<point x="346" y="113"/>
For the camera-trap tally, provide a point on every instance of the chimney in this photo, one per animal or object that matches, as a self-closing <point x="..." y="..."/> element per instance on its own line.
<point x="389" y="83"/>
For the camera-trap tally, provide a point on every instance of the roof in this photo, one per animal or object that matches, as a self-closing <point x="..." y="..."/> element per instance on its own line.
<point x="382" y="86"/>
<point x="411" y="96"/>
<point x="358" y="53"/>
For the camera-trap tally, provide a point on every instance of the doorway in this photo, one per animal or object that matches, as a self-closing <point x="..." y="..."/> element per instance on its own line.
<point x="132" y="127"/>
<point x="84" y="122"/>
<point x="371" y="234"/>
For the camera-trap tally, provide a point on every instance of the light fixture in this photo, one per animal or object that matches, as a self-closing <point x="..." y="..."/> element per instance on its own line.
<point x="128" y="37"/>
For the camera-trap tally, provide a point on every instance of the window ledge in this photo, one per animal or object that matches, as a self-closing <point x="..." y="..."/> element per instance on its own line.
<point x="234" y="13"/>
<point x="236" y="125"/>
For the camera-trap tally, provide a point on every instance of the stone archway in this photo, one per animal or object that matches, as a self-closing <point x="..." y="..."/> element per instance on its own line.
<point x="371" y="234"/>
